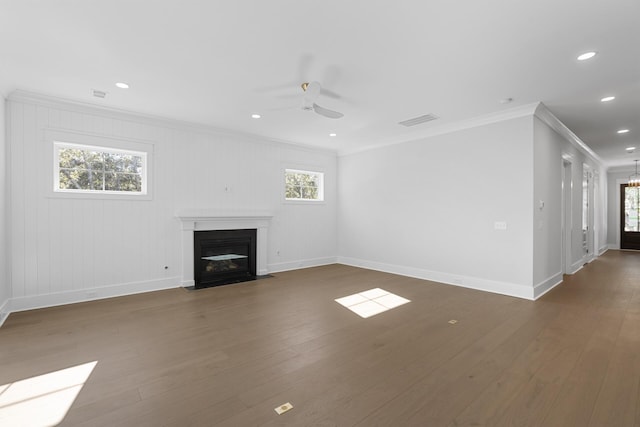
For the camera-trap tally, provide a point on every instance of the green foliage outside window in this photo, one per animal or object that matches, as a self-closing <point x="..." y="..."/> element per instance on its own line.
<point x="303" y="185"/>
<point x="86" y="169"/>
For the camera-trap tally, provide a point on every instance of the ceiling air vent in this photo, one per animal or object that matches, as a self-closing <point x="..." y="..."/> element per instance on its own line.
<point x="98" y="93"/>
<point x="418" y="120"/>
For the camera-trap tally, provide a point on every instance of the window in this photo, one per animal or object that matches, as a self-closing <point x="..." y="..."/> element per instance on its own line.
<point x="304" y="185"/>
<point x="631" y="209"/>
<point x="92" y="169"/>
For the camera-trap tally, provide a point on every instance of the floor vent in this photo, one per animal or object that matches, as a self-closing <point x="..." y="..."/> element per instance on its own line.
<point x="418" y="120"/>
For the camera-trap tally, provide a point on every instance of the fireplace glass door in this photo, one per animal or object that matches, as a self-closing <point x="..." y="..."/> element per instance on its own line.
<point x="224" y="256"/>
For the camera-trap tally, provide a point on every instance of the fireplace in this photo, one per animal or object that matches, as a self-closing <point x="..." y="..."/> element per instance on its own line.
<point x="193" y="220"/>
<point x="224" y="256"/>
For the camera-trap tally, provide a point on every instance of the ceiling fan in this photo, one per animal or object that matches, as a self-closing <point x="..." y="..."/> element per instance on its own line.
<point x="311" y="93"/>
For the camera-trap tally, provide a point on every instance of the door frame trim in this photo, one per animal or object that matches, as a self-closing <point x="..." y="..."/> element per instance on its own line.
<point x="618" y="229"/>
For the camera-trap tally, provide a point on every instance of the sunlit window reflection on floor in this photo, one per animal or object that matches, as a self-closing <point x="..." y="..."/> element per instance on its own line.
<point x="43" y="400"/>
<point x="371" y="302"/>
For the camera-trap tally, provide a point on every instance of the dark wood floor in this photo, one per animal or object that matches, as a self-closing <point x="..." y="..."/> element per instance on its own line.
<point x="229" y="355"/>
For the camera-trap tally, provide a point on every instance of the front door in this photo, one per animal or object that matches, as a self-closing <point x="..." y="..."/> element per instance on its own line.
<point x="630" y="217"/>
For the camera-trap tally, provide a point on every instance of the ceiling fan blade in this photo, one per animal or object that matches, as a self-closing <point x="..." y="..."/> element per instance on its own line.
<point x="329" y="94"/>
<point x="289" y="96"/>
<point x="326" y="112"/>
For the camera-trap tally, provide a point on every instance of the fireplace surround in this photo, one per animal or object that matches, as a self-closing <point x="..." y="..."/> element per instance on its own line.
<point x="192" y="220"/>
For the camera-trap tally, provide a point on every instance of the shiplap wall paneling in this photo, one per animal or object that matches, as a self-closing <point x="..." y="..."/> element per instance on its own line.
<point x="17" y="204"/>
<point x="82" y="247"/>
<point x="41" y="225"/>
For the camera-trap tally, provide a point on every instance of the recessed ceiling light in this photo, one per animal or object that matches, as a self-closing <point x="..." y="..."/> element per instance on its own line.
<point x="623" y="131"/>
<point x="122" y="85"/>
<point x="630" y="149"/>
<point x="608" y="98"/>
<point x="586" y="55"/>
<point x="255" y="116"/>
<point x="333" y="134"/>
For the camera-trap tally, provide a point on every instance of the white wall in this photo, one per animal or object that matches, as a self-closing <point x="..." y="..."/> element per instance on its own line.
<point x="547" y="206"/>
<point x="428" y="208"/>
<point x="550" y="147"/>
<point x="5" y="287"/>
<point x="71" y="249"/>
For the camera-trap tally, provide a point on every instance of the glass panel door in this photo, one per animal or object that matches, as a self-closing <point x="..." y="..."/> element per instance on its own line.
<point x="631" y="207"/>
<point x="630" y="217"/>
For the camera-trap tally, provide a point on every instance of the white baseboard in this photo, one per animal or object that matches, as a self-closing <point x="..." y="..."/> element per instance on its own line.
<point x="604" y="249"/>
<point x="5" y="310"/>
<point x="187" y="283"/>
<point x="546" y="285"/>
<point x="577" y="266"/>
<point x="303" y="263"/>
<point x="503" y="288"/>
<point x="613" y="246"/>
<point x="82" y="295"/>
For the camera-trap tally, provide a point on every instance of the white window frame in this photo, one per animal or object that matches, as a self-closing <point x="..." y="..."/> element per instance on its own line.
<point x="318" y="173"/>
<point x="58" y="146"/>
<point x="56" y="139"/>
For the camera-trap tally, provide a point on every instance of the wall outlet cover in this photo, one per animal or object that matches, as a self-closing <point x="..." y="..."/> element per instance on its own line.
<point x="283" y="408"/>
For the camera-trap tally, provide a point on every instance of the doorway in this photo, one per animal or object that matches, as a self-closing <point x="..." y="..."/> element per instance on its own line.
<point x="629" y="217"/>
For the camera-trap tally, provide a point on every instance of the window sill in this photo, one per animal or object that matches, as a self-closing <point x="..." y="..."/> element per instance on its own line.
<point x="98" y="196"/>
<point x="304" y="202"/>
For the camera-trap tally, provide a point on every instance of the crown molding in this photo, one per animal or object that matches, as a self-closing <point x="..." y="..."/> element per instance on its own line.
<point x="621" y="169"/>
<point x="483" y="120"/>
<point x="543" y="113"/>
<point x="52" y="101"/>
<point x="537" y="109"/>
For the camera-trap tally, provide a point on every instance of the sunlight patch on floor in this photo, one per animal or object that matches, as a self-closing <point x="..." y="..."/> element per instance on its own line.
<point x="369" y="303"/>
<point x="43" y="400"/>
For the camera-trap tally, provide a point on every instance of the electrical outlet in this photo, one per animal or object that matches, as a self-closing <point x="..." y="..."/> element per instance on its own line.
<point x="283" y="408"/>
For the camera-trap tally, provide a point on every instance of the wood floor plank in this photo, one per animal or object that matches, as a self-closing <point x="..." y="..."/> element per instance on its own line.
<point x="229" y="355"/>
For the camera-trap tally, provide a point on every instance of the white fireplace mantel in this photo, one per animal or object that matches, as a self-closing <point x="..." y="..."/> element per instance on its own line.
<point x="205" y="219"/>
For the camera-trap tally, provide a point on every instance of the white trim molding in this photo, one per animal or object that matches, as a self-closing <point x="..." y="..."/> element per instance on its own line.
<point x="303" y="263"/>
<point x="455" y="126"/>
<point x="205" y="219"/>
<point x="577" y="266"/>
<point x="5" y="310"/>
<point x="543" y="113"/>
<point x="75" y="105"/>
<point x="69" y="297"/>
<point x="494" y="286"/>
<point x="546" y="285"/>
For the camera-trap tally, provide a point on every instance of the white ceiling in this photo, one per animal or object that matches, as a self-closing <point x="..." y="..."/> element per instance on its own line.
<point x="217" y="62"/>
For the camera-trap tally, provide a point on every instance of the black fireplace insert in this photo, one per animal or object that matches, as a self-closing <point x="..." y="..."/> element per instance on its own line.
<point x="222" y="257"/>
